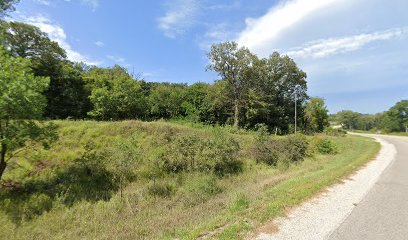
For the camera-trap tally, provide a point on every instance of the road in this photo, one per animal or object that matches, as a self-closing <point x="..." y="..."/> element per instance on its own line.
<point x="383" y="212"/>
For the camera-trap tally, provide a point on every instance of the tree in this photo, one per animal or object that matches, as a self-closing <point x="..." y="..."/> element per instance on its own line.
<point x="232" y="63"/>
<point x="366" y="122"/>
<point x="27" y="41"/>
<point x="274" y="81"/>
<point x="115" y="94"/>
<point x="348" y="119"/>
<point x="215" y="108"/>
<point x="316" y="115"/>
<point x="66" y="96"/>
<point x="21" y="102"/>
<point x="167" y="100"/>
<point x="6" y="6"/>
<point x="194" y="101"/>
<point x="398" y="117"/>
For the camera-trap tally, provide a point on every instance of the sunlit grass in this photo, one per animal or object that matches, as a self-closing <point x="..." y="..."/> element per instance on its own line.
<point x="201" y="205"/>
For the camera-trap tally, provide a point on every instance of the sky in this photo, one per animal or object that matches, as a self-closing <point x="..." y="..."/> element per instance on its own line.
<point x="354" y="51"/>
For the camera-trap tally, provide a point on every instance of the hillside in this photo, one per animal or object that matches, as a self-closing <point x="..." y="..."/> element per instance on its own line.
<point x="134" y="180"/>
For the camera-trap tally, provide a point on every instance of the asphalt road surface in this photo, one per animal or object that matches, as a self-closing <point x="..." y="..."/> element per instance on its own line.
<point x="383" y="212"/>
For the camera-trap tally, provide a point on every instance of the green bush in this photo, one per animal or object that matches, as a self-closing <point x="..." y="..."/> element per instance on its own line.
<point x="222" y="154"/>
<point x="326" y="146"/>
<point x="297" y="146"/>
<point x="218" y="154"/>
<point x="185" y="154"/>
<point x="36" y="205"/>
<point x="329" y="131"/>
<point x="284" y="151"/>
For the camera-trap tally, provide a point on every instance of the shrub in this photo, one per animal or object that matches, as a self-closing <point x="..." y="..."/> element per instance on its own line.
<point x="325" y="146"/>
<point x="184" y="154"/>
<point x="297" y="146"/>
<point x="285" y="151"/>
<point x="222" y="154"/>
<point x="329" y="131"/>
<point x="36" y="205"/>
<point x="219" y="155"/>
<point x="261" y="149"/>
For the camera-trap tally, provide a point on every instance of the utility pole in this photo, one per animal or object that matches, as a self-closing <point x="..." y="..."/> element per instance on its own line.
<point x="295" y="112"/>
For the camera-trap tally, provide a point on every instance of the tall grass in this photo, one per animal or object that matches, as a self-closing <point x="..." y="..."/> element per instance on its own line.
<point x="139" y="180"/>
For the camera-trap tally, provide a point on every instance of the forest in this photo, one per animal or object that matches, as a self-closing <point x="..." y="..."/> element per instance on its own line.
<point x="392" y="121"/>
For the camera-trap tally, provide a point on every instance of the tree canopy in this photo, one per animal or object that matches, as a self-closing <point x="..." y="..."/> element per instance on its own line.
<point x="21" y="102"/>
<point x="316" y="114"/>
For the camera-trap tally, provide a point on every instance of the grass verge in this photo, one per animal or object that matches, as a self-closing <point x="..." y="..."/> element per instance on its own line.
<point x="190" y="205"/>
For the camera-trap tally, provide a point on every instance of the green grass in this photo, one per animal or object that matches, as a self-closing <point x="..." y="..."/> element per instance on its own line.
<point x="192" y="204"/>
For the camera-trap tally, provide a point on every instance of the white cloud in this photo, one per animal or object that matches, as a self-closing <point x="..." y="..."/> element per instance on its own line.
<point x="225" y="7"/>
<point x="325" y="47"/>
<point x="99" y="43"/>
<point x="93" y="4"/>
<point x="43" y="2"/>
<point x="263" y="30"/>
<point x="179" y="17"/>
<point x="215" y="34"/>
<point x="57" y="33"/>
<point x="118" y="60"/>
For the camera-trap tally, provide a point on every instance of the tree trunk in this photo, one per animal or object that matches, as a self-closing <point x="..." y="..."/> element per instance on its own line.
<point x="236" y="113"/>
<point x="3" y="163"/>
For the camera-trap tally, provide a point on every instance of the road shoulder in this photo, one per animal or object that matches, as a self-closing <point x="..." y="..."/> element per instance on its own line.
<point x="319" y="217"/>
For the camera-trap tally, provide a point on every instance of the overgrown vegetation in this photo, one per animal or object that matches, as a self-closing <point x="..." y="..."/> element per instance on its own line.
<point x="144" y="176"/>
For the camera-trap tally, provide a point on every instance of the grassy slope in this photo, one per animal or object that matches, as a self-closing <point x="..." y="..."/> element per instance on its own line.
<point x="247" y="200"/>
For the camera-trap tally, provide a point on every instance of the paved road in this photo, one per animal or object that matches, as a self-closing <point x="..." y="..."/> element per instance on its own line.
<point x="383" y="213"/>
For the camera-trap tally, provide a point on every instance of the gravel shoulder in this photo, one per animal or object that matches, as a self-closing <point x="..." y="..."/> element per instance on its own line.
<point x="318" y="218"/>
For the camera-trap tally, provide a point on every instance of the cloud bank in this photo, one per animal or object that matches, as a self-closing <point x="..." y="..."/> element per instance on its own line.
<point x="265" y="29"/>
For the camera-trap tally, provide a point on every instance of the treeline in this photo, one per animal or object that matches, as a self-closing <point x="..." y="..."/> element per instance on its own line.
<point x="251" y="91"/>
<point x="393" y="120"/>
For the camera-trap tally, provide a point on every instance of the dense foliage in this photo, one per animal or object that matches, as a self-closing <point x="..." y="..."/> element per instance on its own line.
<point x="21" y="101"/>
<point x="251" y="90"/>
<point x="393" y="120"/>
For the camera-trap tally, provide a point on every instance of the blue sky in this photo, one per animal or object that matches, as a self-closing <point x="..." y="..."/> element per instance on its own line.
<point x="354" y="51"/>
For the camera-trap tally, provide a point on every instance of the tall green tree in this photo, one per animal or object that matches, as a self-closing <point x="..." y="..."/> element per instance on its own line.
<point x="348" y="119"/>
<point x="194" y="101"/>
<point x="274" y="82"/>
<point x="168" y="101"/>
<point x="316" y="115"/>
<point x="21" y="102"/>
<point x="27" y="41"/>
<point x="232" y="64"/>
<point x="66" y="96"/>
<point x="115" y="94"/>
<point x="216" y="107"/>
<point x="398" y="117"/>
